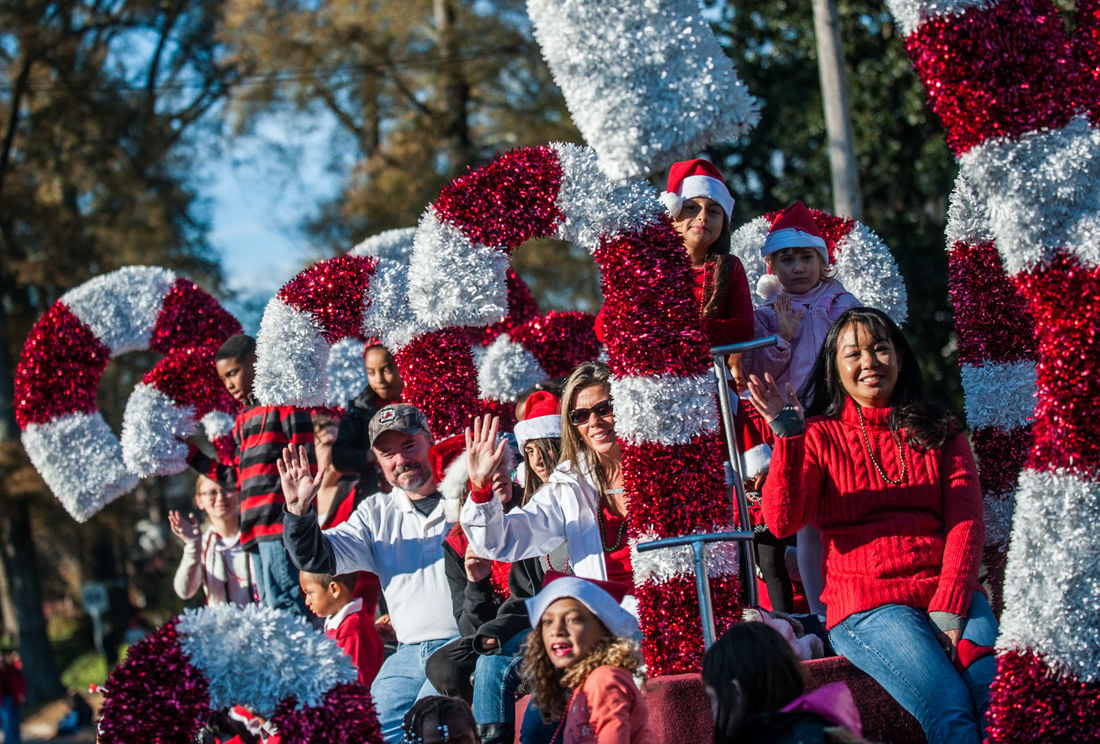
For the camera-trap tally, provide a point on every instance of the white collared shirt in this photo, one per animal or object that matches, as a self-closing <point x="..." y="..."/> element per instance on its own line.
<point x="388" y="536"/>
<point x="332" y="622"/>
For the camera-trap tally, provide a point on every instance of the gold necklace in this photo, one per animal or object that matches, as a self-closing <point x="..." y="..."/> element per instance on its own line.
<point x="871" y="452"/>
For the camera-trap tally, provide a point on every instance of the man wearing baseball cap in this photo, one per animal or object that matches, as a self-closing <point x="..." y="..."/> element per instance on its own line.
<point x="397" y="535"/>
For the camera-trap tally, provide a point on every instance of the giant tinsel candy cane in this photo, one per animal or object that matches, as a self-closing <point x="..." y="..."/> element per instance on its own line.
<point x="134" y="308"/>
<point x="997" y="356"/>
<point x="665" y="404"/>
<point x="1016" y="95"/>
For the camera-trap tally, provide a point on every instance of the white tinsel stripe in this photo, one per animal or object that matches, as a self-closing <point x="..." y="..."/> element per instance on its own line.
<point x="595" y="206"/>
<point x="967" y="216"/>
<point x="909" y="14"/>
<point x="154" y="428"/>
<point x="506" y="369"/>
<point x="121" y="308"/>
<point x="387" y="315"/>
<point x="291" y="358"/>
<point x="1000" y="394"/>
<point x="998" y="510"/>
<point x="217" y="424"/>
<point x="664" y="409"/>
<point x="80" y="459"/>
<point x="257" y="656"/>
<point x="453" y="281"/>
<point x="392" y="245"/>
<point x="1052" y="579"/>
<point x="1043" y="193"/>
<point x="866" y="268"/>
<point x="650" y="87"/>
<point x="346" y="374"/>
<point x="674" y="563"/>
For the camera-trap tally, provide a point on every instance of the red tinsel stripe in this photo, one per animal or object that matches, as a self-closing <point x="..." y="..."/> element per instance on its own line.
<point x="991" y="316"/>
<point x="1087" y="45"/>
<point x="559" y="340"/>
<point x="1031" y="702"/>
<point x="833" y="229"/>
<point x="226" y="448"/>
<point x="189" y="316"/>
<point x="347" y="717"/>
<point x="508" y="201"/>
<point x="439" y="377"/>
<point x="1001" y="456"/>
<point x="651" y="318"/>
<point x="59" y="368"/>
<point x="676" y="489"/>
<point x="188" y="377"/>
<point x="521" y="308"/>
<point x="672" y="634"/>
<point x="332" y="292"/>
<point x="1065" y="300"/>
<point x="997" y="71"/>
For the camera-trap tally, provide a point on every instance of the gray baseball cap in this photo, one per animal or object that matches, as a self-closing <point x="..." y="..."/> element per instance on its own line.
<point x="398" y="417"/>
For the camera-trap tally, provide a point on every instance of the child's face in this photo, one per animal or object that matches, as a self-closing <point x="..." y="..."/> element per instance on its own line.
<point x="569" y="632"/>
<point x="217" y="501"/>
<point x="699" y="224"/>
<point x="322" y="601"/>
<point x="533" y="457"/>
<point x="798" y="269"/>
<point x="382" y="374"/>
<point x="237" y="375"/>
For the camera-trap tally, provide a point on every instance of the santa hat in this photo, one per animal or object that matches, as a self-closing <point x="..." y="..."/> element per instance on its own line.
<point x="595" y="595"/>
<point x="541" y="419"/>
<point x="795" y="228"/>
<point x="755" y="439"/>
<point x="691" y="178"/>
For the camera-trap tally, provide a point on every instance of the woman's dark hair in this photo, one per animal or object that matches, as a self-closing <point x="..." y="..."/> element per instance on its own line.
<point x="927" y="426"/>
<point x="448" y="711"/>
<point x="549" y="449"/>
<point x="767" y="672"/>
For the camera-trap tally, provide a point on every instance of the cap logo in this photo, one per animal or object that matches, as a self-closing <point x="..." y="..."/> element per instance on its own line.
<point x="386" y="416"/>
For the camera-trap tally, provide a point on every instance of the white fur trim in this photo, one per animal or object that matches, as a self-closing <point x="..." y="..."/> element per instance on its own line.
<point x="596" y="207"/>
<point x="1000" y="394"/>
<point x="678" y="563"/>
<point x="388" y="316"/>
<point x="626" y="70"/>
<point x="236" y="649"/>
<point x="121" y="308"/>
<point x="792" y="237"/>
<point x="1041" y="190"/>
<point x="757" y="460"/>
<point x="767" y="287"/>
<point x="453" y="486"/>
<point x="392" y="245"/>
<point x="506" y="369"/>
<point x="540" y="427"/>
<point x="1051" y="589"/>
<point x="80" y="459"/>
<point x="453" y="281"/>
<point x="154" y="428"/>
<point x="665" y="409"/>
<point x="709" y="187"/>
<point x="672" y="203"/>
<point x="345" y="373"/>
<point x="909" y="14"/>
<point x="291" y="358"/>
<point x="967" y="216"/>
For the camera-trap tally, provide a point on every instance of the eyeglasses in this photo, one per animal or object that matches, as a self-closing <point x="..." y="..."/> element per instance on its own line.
<point x="580" y="416"/>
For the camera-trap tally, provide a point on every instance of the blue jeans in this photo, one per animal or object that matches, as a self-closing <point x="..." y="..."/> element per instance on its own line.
<point x="401" y="682"/>
<point x="496" y="677"/>
<point x="10" y="716"/>
<point x="277" y="578"/>
<point x="897" y="646"/>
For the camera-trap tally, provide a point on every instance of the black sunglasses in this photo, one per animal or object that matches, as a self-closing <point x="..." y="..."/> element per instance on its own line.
<point x="579" y="416"/>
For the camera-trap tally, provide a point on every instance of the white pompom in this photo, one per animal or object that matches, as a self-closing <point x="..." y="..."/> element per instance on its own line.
<point x="767" y="286"/>
<point x="672" y="203"/>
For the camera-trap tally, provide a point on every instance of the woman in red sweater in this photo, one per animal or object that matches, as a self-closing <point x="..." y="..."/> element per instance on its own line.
<point x="892" y="485"/>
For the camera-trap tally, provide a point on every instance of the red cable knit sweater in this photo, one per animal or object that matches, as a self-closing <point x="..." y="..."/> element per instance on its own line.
<point x="917" y="544"/>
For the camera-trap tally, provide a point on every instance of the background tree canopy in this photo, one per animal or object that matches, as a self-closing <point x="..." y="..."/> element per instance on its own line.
<point x="109" y="110"/>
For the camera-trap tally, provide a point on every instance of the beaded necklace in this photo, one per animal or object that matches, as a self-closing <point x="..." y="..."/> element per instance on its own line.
<point x="600" y="521"/>
<point x="871" y="451"/>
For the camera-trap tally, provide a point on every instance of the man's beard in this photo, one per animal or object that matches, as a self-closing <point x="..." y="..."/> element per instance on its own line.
<point x="417" y="476"/>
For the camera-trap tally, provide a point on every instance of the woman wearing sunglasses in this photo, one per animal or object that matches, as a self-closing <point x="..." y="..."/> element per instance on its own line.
<point x="581" y="505"/>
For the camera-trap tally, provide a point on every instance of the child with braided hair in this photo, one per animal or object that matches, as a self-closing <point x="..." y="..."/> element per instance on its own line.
<point x="438" y="719"/>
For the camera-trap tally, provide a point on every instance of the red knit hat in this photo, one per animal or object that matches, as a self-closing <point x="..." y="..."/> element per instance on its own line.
<point x="442" y="454"/>
<point x="795" y="228"/>
<point x="541" y="420"/>
<point x="688" y="179"/>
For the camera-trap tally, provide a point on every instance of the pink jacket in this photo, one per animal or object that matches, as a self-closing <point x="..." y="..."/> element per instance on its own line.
<point x="792" y="362"/>
<point x="834" y="703"/>
<point x="607" y="709"/>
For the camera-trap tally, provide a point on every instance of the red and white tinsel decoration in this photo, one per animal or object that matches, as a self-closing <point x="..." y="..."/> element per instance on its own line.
<point x="1018" y="96"/>
<point x="863" y="262"/>
<point x="628" y="70"/>
<point x="665" y="407"/>
<point x="210" y="659"/>
<point x="131" y="309"/>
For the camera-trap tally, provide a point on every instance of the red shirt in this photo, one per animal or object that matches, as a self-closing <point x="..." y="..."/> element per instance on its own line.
<point x="618" y="563"/>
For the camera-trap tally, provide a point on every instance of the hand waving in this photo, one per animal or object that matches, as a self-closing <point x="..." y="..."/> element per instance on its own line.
<point x="483" y="452"/>
<point x="769" y="400"/>
<point x="786" y="322"/>
<point x="185" y="528"/>
<point x="299" y="487"/>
